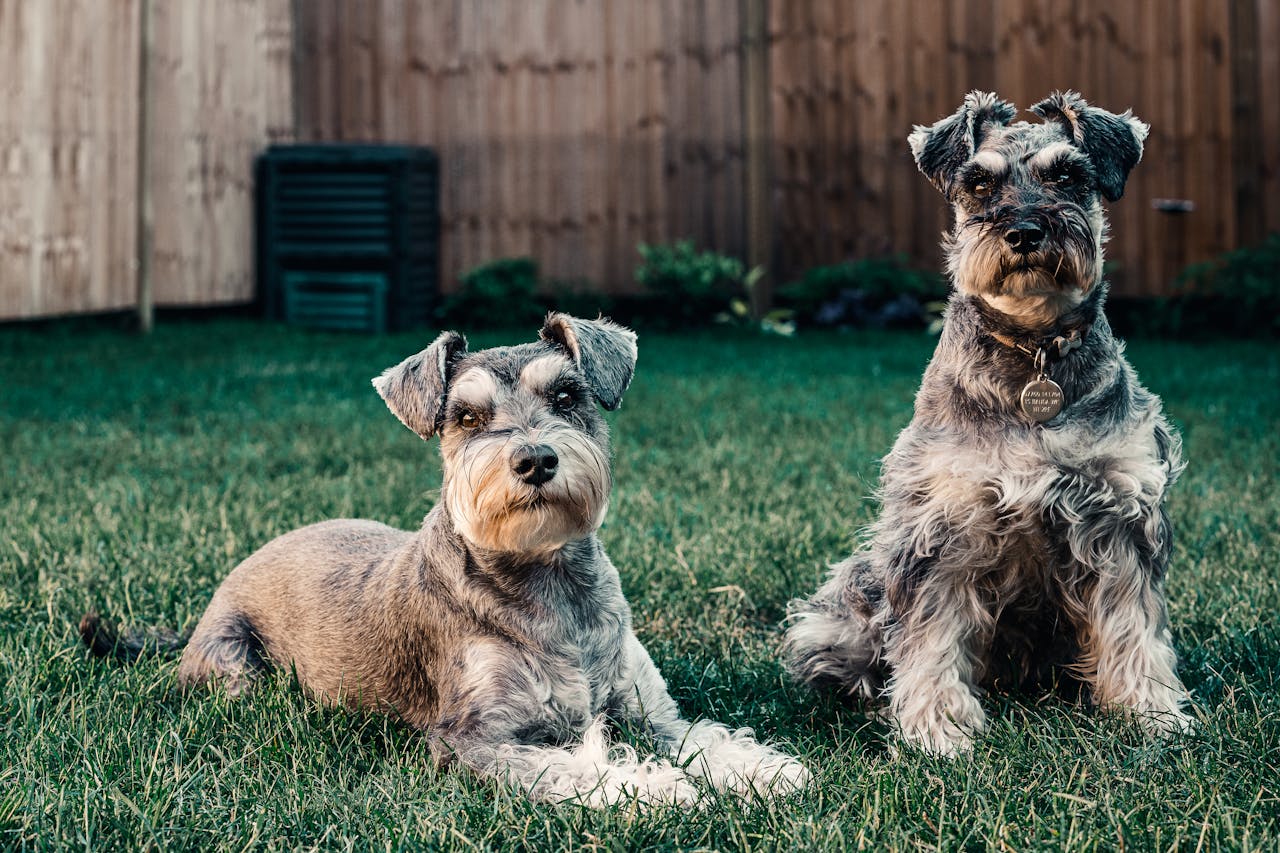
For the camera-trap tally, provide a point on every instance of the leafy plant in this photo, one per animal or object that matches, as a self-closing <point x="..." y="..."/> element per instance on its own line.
<point x="779" y="321"/>
<point x="692" y="287"/>
<point x="499" y="293"/>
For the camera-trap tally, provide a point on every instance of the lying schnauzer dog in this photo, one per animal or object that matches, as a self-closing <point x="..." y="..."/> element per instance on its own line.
<point x="500" y="626"/>
<point x="1023" y="526"/>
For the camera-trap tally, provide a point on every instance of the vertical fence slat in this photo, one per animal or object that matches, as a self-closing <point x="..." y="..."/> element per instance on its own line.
<point x="1245" y="113"/>
<point x="755" y="136"/>
<point x="219" y="93"/>
<point x="144" y="208"/>
<point x="1267" y="128"/>
<point x="67" y="157"/>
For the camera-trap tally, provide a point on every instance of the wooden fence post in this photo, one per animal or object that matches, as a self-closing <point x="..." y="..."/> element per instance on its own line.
<point x="145" y="237"/>
<point x="1247" y="132"/>
<point x="756" y="132"/>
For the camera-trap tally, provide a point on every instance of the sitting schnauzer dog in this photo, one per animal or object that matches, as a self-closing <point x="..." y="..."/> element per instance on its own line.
<point x="1023" y="528"/>
<point x="500" y="626"/>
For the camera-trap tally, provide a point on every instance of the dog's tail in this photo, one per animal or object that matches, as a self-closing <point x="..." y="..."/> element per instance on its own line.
<point x="108" y="641"/>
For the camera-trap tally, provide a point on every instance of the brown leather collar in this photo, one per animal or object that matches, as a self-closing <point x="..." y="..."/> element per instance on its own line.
<point x="1059" y="345"/>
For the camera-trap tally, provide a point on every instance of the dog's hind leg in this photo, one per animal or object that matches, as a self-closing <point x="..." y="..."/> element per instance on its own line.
<point x="726" y="759"/>
<point x="834" y="638"/>
<point x="225" y="649"/>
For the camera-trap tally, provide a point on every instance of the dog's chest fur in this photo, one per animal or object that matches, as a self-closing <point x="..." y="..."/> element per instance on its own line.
<point x="551" y="634"/>
<point x="576" y="632"/>
<point x="971" y="456"/>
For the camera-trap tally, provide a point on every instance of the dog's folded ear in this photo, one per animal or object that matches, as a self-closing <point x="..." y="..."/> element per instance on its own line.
<point x="414" y="390"/>
<point x="604" y="351"/>
<point x="945" y="146"/>
<point x="1112" y="142"/>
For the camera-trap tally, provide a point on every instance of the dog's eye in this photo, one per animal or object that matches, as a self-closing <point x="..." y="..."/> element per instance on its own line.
<point x="469" y="420"/>
<point x="1062" y="176"/>
<point x="982" y="186"/>
<point x="562" y="401"/>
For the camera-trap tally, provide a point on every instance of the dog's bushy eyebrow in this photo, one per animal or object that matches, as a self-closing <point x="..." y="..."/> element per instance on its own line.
<point x="475" y="388"/>
<point x="545" y="372"/>
<point x="988" y="161"/>
<point x="457" y="406"/>
<point x="1049" y="158"/>
<point x="570" y="383"/>
<point x="973" y="169"/>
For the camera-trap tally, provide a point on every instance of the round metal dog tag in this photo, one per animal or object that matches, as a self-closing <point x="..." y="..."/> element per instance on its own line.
<point x="1041" y="399"/>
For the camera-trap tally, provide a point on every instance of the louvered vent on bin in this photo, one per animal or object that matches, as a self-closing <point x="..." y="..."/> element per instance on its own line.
<point x="348" y="235"/>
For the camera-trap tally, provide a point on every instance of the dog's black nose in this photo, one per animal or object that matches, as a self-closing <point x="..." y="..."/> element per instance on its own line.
<point x="535" y="463"/>
<point x="1024" y="238"/>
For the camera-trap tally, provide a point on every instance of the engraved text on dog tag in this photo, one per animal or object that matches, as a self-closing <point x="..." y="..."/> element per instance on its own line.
<point x="1041" y="399"/>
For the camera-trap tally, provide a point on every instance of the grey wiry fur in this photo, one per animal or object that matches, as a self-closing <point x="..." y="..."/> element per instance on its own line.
<point x="1008" y="551"/>
<point x="500" y="625"/>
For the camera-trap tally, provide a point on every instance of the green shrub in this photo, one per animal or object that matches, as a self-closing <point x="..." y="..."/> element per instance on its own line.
<point x="689" y="287"/>
<point x="1236" y="294"/>
<point x="501" y="293"/>
<point x="867" y="292"/>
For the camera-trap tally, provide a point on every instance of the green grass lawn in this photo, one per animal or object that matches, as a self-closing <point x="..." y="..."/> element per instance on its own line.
<point x="135" y="473"/>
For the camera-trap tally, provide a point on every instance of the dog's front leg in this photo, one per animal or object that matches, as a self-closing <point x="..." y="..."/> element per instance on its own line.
<point x="931" y="650"/>
<point x="590" y="773"/>
<point x="1128" y="654"/>
<point x="533" y="728"/>
<point x="728" y="760"/>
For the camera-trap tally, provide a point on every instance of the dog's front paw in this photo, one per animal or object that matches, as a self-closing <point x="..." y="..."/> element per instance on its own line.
<point x="1165" y="723"/>
<point x="734" y="761"/>
<point x="772" y="775"/>
<point x="593" y="773"/>
<point x="656" y="785"/>
<point x="944" y="742"/>
<point x="1158" y="709"/>
<point x="946" y="729"/>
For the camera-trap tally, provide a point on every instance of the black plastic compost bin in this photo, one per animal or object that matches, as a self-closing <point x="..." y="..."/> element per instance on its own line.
<point x="348" y="235"/>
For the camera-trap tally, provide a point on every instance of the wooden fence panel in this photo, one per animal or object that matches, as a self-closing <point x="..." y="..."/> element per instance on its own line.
<point x="567" y="131"/>
<point x="1268" y="112"/>
<point x="68" y="71"/>
<point x="571" y="130"/>
<point x="221" y="90"/>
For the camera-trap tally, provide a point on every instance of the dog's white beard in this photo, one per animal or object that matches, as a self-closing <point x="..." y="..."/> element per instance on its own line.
<point x="1037" y="296"/>
<point x="1032" y="306"/>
